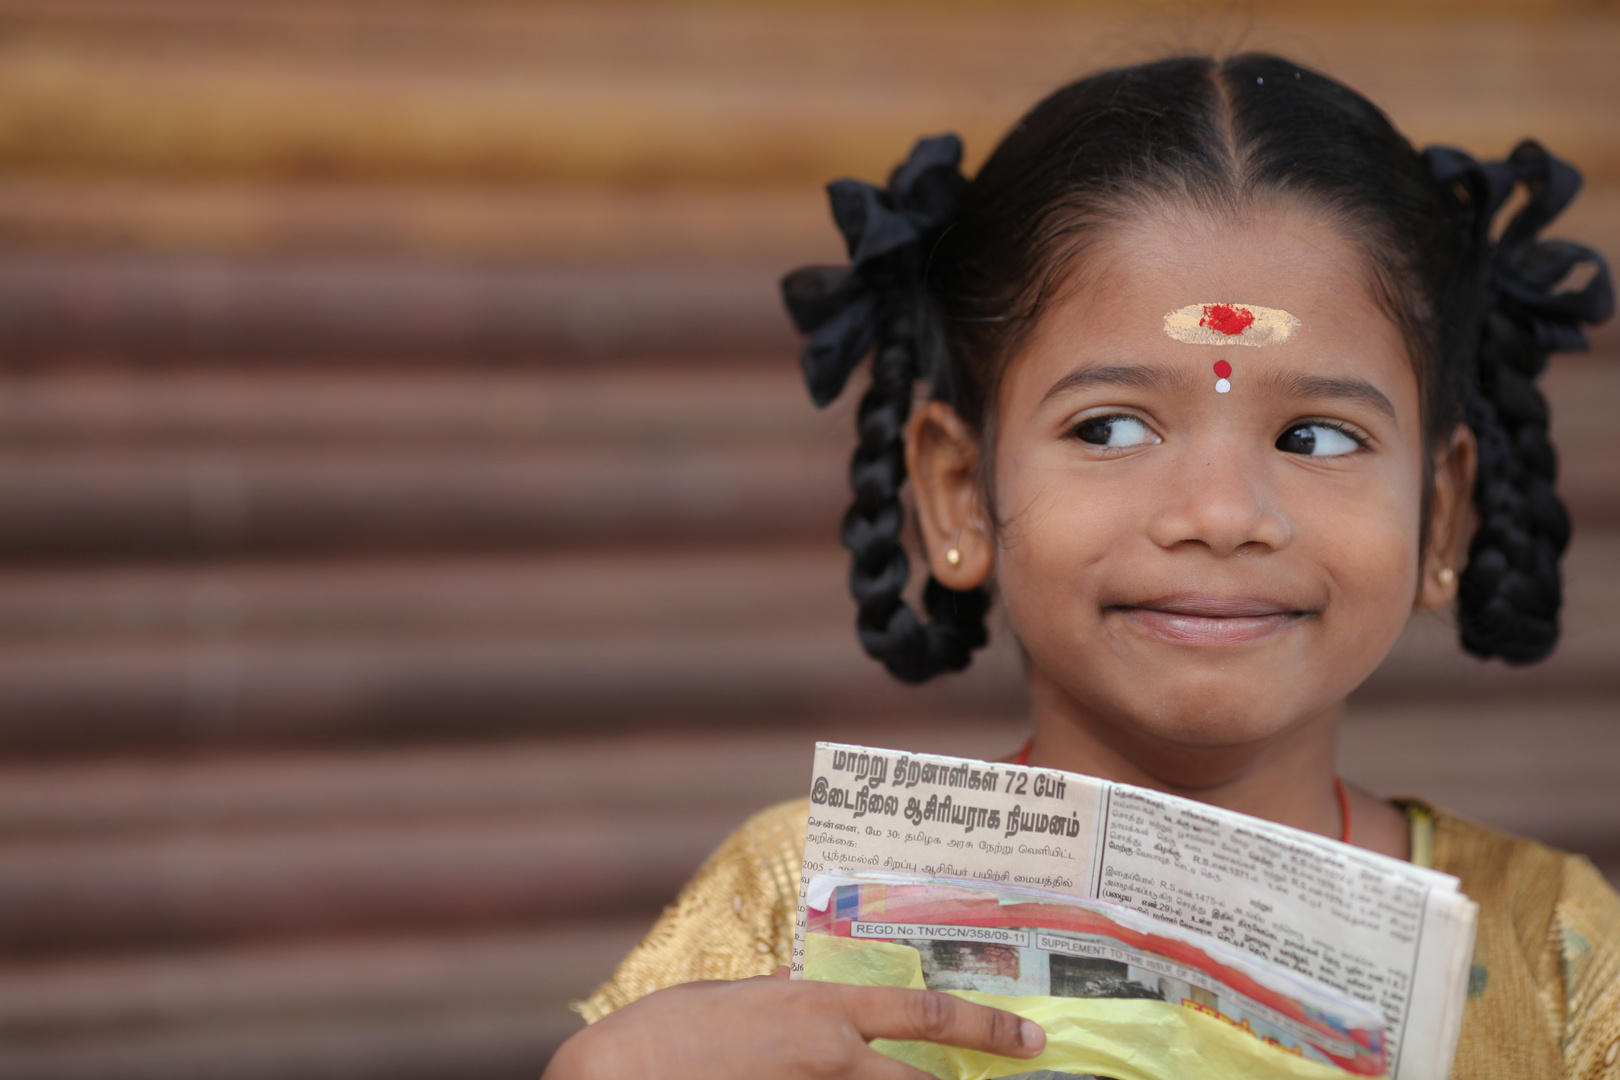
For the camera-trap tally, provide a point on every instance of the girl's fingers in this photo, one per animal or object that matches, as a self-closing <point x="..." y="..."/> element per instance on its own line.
<point x="886" y="1013"/>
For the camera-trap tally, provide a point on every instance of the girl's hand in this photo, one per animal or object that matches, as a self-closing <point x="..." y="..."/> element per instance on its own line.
<point x="786" y="1030"/>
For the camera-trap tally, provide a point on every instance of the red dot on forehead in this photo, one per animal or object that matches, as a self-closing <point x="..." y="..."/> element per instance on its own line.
<point x="1226" y="318"/>
<point x="1223" y="370"/>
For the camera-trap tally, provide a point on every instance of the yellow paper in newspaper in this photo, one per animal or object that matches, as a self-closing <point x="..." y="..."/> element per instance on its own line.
<point x="1120" y="1039"/>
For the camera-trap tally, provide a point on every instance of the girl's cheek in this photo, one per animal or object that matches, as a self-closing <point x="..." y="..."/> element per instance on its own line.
<point x="1057" y="542"/>
<point x="1370" y="545"/>
<point x="1058" y="513"/>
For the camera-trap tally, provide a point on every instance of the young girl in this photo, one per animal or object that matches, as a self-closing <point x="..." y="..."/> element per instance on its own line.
<point x="1201" y="548"/>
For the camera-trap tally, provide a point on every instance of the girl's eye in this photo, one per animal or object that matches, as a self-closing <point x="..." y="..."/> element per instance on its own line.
<point x="1316" y="440"/>
<point x="1115" y="431"/>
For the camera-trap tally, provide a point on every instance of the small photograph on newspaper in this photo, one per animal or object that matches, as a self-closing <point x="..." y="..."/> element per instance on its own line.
<point x="1005" y="942"/>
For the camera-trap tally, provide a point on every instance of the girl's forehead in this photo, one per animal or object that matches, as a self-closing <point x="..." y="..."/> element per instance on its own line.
<point x="1292" y="257"/>
<point x="1172" y="288"/>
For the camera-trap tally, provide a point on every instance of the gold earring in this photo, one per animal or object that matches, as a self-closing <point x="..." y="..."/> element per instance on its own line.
<point x="1445" y="576"/>
<point x="953" y="557"/>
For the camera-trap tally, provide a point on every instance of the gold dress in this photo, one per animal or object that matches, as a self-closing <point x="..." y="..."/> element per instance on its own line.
<point x="1543" y="996"/>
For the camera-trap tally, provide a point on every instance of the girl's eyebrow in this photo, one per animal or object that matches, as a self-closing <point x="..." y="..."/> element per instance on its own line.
<point x="1156" y="376"/>
<point x="1137" y="376"/>
<point x="1324" y="387"/>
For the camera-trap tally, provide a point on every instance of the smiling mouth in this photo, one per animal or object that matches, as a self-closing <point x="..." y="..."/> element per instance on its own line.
<point x="1210" y="621"/>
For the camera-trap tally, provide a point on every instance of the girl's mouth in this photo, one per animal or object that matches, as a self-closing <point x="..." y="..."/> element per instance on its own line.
<point x="1200" y="619"/>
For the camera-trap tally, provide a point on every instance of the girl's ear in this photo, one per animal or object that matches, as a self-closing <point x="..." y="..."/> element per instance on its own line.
<point x="1450" y="515"/>
<point x="942" y="459"/>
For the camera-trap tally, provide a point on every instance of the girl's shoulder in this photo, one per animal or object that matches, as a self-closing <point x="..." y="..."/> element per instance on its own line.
<point x="1544" y="991"/>
<point x="734" y="918"/>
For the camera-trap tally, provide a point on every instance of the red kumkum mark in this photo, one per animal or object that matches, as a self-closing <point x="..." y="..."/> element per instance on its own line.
<point x="1226" y="318"/>
<point x="1223" y="370"/>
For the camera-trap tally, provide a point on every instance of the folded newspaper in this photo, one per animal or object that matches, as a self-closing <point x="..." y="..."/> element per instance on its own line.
<point x="1151" y="936"/>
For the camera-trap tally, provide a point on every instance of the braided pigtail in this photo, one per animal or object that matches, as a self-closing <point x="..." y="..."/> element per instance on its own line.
<point x="1511" y="590"/>
<point x="879" y="305"/>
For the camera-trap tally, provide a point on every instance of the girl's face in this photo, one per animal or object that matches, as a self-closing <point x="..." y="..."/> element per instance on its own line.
<point x="1186" y="568"/>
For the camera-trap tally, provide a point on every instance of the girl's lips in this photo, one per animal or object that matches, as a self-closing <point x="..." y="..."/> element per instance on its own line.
<point x="1210" y="621"/>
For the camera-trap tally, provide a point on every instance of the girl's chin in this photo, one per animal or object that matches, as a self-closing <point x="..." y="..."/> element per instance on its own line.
<point x="1227" y="701"/>
<point x="1213" y="729"/>
<point x="1207" y="631"/>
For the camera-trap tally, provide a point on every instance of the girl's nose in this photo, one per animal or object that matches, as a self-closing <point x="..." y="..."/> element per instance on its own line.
<point x="1226" y="507"/>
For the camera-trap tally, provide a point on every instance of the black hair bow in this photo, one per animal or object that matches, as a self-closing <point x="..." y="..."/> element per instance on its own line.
<point x="889" y="233"/>
<point x="1523" y="271"/>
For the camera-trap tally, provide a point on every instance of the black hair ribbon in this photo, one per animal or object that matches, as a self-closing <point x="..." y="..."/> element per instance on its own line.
<point x="889" y="233"/>
<point x="1522" y="271"/>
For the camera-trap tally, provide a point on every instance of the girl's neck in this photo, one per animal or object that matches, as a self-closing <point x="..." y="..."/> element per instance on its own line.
<point x="1288" y="778"/>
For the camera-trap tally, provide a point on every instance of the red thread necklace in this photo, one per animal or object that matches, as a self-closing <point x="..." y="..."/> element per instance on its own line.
<point x="1022" y="758"/>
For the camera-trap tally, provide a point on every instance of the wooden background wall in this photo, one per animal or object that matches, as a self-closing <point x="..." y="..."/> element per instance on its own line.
<point x="416" y="550"/>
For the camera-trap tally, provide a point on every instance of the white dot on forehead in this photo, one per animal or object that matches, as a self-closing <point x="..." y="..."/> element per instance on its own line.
<point x="1222" y="386"/>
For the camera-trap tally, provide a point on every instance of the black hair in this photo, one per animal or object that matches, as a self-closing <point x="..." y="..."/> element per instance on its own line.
<point x="949" y="276"/>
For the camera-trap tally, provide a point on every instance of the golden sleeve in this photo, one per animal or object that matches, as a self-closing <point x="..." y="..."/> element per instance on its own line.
<point x="1588" y="945"/>
<point x="1544" y="990"/>
<point x="734" y="919"/>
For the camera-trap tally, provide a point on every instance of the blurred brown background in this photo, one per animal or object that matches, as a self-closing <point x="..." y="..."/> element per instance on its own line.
<point x="416" y="549"/>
